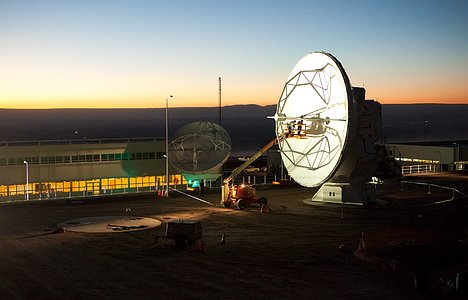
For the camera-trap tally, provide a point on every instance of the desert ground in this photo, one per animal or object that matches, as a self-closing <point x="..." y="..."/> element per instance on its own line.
<point x="289" y="251"/>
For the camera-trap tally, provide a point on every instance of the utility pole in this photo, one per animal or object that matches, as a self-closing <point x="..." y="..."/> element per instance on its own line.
<point x="167" y="150"/>
<point x="219" y="94"/>
<point x="26" y="190"/>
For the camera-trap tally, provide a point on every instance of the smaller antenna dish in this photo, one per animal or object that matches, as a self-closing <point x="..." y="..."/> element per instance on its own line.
<point x="198" y="150"/>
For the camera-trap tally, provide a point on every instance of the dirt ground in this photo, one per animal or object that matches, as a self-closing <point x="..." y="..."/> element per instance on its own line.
<point x="292" y="251"/>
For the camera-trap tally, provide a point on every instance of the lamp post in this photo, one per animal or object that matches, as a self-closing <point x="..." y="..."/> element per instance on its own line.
<point x="167" y="151"/>
<point x="456" y="155"/>
<point x="27" y="180"/>
<point x="440" y="160"/>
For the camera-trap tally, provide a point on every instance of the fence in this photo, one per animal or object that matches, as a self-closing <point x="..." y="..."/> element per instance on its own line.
<point x="420" y="169"/>
<point x="431" y="186"/>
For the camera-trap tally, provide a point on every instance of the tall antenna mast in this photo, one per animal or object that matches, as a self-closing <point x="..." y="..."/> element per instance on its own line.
<point x="219" y="90"/>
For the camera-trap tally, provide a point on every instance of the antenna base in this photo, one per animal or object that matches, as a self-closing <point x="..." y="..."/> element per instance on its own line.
<point x="344" y="193"/>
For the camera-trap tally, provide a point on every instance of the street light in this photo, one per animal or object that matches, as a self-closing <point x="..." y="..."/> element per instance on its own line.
<point x="456" y="155"/>
<point x="167" y="151"/>
<point x="27" y="179"/>
<point x="440" y="160"/>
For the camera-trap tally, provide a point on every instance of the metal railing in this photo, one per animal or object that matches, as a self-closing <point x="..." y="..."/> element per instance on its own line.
<point x="431" y="186"/>
<point x="420" y="169"/>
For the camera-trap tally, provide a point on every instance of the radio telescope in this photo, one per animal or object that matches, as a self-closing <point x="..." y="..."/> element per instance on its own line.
<point x="198" y="150"/>
<point x="326" y="131"/>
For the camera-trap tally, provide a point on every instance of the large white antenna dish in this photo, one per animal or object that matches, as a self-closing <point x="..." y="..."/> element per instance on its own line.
<point x="318" y="119"/>
<point x="314" y="111"/>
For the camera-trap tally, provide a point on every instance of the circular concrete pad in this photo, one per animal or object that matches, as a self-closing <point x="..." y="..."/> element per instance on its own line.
<point x="109" y="224"/>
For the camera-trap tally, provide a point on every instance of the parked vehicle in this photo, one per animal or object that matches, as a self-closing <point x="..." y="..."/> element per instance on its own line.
<point x="251" y="169"/>
<point x="242" y="196"/>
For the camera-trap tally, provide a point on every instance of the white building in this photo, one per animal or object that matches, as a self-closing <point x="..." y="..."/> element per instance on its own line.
<point x="50" y="169"/>
<point x="430" y="156"/>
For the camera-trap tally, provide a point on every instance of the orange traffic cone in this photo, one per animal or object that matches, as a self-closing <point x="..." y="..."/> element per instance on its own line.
<point x="362" y="245"/>
<point x="199" y="245"/>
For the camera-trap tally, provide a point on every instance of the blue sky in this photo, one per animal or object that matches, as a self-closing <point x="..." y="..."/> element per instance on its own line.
<point x="134" y="53"/>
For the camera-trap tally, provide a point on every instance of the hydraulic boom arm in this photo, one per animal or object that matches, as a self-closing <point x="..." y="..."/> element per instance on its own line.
<point x="238" y="170"/>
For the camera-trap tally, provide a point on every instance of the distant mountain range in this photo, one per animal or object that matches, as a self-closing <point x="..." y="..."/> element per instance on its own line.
<point x="247" y="125"/>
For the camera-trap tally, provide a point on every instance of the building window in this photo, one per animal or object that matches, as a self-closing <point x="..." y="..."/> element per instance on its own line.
<point x="60" y="159"/>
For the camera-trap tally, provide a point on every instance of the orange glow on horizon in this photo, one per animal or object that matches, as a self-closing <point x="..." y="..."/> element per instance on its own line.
<point x="425" y="101"/>
<point x="39" y="97"/>
<point x="129" y="102"/>
<point x="150" y="102"/>
<point x="259" y="93"/>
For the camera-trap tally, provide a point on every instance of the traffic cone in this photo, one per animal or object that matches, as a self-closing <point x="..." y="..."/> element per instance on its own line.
<point x="223" y="239"/>
<point x="362" y="245"/>
<point x="199" y="245"/>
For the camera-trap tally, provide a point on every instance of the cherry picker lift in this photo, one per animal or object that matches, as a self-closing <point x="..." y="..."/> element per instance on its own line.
<point x="244" y="195"/>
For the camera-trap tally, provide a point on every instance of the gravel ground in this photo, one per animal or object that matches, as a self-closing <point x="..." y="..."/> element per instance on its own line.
<point x="292" y="251"/>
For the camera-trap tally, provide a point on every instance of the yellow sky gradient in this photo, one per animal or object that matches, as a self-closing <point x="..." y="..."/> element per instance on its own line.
<point x="43" y="84"/>
<point x="119" y="93"/>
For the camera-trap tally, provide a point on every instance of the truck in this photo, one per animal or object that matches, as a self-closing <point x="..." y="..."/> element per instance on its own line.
<point x="251" y="169"/>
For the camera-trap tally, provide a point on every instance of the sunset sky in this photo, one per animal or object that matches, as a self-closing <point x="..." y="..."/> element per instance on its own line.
<point x="135" y="53"/>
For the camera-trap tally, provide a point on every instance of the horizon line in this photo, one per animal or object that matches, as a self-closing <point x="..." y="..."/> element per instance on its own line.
<point x="192" y="107"/>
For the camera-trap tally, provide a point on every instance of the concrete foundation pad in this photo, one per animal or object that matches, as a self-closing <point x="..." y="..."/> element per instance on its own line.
<point x="108" y="224"/>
